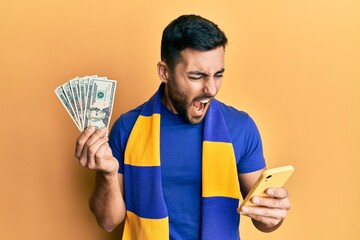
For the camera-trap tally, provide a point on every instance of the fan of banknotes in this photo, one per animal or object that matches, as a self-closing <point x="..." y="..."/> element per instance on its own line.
<point x="88" y="100"/>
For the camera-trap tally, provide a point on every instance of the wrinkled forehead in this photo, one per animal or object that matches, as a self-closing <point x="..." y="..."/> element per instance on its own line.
<point x="205" y="61"/>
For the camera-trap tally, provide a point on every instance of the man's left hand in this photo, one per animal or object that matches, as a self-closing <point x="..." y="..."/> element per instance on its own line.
<point x="268" y="212"/>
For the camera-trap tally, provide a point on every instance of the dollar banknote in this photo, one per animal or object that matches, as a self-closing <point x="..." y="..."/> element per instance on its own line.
<point x="100" y="104"/>
<point x="75" y="90"/>
<point x="59" y="91"/>
<point x="70" y="98"/>
<point x="88" y="100"/>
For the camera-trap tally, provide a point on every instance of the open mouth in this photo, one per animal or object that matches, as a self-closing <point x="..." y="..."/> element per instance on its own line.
<point x="200" y="105"/>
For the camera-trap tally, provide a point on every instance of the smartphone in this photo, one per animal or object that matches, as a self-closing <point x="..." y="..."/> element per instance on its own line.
<point x="274" y="177"/>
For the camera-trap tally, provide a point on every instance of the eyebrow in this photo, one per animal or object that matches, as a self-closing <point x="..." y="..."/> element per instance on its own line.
<point x="204" y="74"/>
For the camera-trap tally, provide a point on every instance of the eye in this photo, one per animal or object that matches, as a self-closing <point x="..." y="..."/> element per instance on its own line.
<point x="195" y="78"/>
<point x="218" y="76"/>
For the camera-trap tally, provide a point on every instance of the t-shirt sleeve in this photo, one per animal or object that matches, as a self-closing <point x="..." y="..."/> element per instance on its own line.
<point x="251" y="151"/>
<point x="120" y="133"/>
<point x="117" y="139"/>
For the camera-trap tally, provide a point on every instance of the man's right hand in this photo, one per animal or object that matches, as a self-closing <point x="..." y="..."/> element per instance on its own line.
<point x="106" y="201"/>
<point x="93" y="151"/>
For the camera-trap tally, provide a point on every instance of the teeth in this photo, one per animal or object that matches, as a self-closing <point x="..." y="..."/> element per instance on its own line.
<point x="205" y="101"/>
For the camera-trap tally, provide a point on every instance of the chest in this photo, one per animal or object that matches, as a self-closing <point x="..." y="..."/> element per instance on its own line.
<point x="180" y="153"/>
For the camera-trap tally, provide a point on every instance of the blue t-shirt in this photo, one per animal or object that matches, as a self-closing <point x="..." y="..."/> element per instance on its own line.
<point x="180" y="154"/>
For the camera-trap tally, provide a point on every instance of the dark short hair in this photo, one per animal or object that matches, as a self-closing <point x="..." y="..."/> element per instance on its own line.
<point x="189" y="31"/>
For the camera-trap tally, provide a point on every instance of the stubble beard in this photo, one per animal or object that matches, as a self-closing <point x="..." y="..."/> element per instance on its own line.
<point x="180" y="101"/>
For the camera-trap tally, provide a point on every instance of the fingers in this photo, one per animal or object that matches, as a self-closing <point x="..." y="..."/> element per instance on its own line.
<point x="270" y="210"/>
<point x="270" y="217"/>
<point x="101" y="152"/>
<point x="276" y="213"/>
<point x="80" y="142"/>
<point x="268" y="221"/>
<point x="277" y="192"/>
<point x="93" y="151"/>
<point x="270" y="202"/>
<point x="88" y="144"/>
<point x="276" y="198"/>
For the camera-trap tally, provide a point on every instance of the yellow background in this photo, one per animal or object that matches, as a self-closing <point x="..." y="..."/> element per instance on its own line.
<point x="293" y="65"/>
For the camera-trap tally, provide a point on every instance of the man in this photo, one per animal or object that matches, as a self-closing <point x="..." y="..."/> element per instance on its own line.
<point x="174" y="167"/>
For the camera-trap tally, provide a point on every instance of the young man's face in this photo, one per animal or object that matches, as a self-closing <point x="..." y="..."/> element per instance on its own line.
<point x="194" y="82"/>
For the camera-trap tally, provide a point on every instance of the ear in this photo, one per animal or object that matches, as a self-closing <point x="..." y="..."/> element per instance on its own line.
<point x="163" y="71"/>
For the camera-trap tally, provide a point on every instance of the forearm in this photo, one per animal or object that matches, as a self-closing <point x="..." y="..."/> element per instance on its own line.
<point x="106" y="202"/>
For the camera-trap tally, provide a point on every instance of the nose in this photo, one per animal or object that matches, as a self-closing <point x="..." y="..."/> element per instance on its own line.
<point x="210" y="87"/>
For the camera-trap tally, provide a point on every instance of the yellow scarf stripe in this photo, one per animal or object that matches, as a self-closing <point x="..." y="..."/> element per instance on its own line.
<point x="139" y="228"/>
<point x="219" y="169"/>
<point x="143" y="148"/>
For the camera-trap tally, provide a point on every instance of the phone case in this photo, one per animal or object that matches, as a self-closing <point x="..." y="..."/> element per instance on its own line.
<point x="274" y="177"/>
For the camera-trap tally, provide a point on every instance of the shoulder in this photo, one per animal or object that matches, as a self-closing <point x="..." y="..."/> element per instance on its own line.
<point x="234" y="116"/>
<point x="245" y="138"/>
<point x="239" y="123"/>
<point x="120" y="132"/>
<point x="127" y="120"/>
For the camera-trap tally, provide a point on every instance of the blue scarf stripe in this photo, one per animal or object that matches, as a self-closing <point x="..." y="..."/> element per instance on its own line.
<point x="219" y="131"/>
<point x="153" y="105"/>
<point x="214" y="211"/>
<point x="147" y="200"/>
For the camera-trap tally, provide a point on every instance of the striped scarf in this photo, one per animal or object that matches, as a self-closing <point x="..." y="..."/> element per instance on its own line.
<point x="146" y="215"/>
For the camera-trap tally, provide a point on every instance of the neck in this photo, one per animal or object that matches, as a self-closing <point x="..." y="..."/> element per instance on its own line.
<point x="166" y="101"/>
